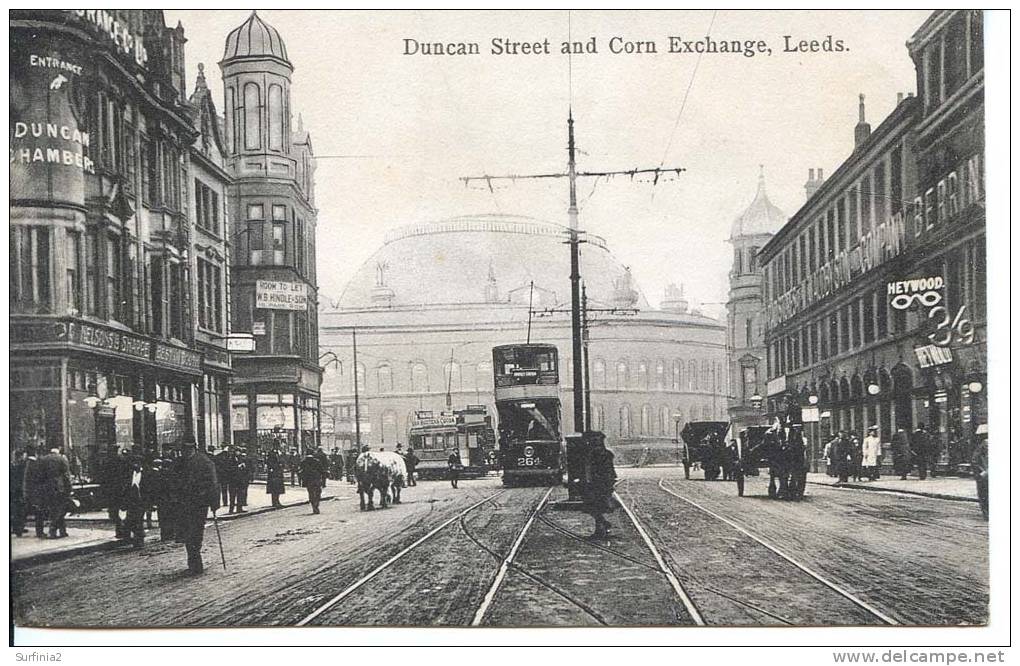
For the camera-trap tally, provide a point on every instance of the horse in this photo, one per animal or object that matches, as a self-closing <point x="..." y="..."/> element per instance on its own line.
<point x="372" y="474"/>
<point x="394" y="462"/>
<point x="784" y="451"/>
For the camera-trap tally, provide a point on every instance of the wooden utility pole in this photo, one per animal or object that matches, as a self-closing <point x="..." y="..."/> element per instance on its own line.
<point x="573" y="239"/>
<point x="357" y="406"/>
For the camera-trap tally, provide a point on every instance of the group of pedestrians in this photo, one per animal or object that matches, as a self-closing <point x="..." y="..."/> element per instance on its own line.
<point x="233" y="473"/>
<point x="848" y="456"/>
<point x="40" y="486"/>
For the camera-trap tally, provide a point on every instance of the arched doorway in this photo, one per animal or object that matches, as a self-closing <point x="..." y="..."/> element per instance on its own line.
<point x="902" y="385"/>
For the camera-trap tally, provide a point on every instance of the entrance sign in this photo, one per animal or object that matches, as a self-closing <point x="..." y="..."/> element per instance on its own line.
<point x="240" y="343"/>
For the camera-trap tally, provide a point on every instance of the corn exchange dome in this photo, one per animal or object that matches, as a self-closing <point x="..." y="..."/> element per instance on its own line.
<point x="486" y="259"/>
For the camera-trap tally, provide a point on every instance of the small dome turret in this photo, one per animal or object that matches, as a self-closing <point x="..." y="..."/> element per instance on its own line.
<point x="255" y="39"/>
<point x="761" y="217"/>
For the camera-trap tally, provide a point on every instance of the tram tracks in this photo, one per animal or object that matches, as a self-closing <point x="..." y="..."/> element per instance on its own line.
<point x="800" y="566"/>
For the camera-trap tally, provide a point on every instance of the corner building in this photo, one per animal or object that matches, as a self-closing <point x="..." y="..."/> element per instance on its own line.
<point x="865" y="282"/>
<point x="103" y="350"/>
<point x="275" y="395"/>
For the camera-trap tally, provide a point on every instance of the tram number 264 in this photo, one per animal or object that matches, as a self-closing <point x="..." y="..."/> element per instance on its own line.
<point x="528" y="461"/>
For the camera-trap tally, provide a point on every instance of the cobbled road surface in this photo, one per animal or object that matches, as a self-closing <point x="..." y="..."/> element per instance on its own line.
<point x="915" y="560"/>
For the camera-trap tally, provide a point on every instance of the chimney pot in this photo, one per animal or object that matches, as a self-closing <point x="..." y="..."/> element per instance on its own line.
<point x="899" y="97"/>
<point x="811" y="174"/>
<point x="819" y="174"/>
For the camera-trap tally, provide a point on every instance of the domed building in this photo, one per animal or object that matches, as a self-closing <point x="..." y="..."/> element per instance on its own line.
<point x="751" y="230"/>
<point x="432" y="302"/>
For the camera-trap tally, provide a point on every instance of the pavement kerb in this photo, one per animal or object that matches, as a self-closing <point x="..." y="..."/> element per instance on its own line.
<point x="922" y="493"/>
<point x="114" y="544"/>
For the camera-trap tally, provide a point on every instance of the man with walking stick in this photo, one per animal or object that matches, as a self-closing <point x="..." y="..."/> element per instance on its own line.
<point x="196" y="490"/>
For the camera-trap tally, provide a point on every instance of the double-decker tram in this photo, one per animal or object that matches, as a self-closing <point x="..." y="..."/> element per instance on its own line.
<point x="528" y="409"/>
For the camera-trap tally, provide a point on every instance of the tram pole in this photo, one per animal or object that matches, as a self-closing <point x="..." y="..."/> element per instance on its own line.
<point x="357" y="406"/>
<point x="575" y="282"/>
<point x="585" y="343"/>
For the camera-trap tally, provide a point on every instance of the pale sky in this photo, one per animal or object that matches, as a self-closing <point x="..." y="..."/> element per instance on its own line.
<point x="427" y="120"/>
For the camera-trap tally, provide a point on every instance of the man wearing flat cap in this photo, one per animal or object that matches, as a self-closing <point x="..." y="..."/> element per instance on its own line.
<point x="196" y="491"/>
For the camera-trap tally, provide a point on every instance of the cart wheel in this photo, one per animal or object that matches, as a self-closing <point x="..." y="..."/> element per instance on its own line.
<point x="740" y="484"/>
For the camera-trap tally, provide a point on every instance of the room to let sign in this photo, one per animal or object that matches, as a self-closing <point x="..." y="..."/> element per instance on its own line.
<point x="273" y="295"/>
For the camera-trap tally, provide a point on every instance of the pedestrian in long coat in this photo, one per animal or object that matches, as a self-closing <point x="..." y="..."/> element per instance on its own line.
<point x="55" y="476"/>
<point x="871" y="449"/>
<point x="112" y="484"/>
<point x="920" y="447"/>
<point x="158" y="489"/>
<point x="598" y="492"/>
<point x="842" y="454"/>
<point x="856" y="457"/>
<point x="312" y="478"/>
<point x="901" y="453"/>
<point x="136" y="499"/>
<point x="979" y="467"/>
<point x="34" y="491"/>
<point x="274" y="475"/>
<point x="196" y="490"/>
<point x="17" y="495"/>
<point x="411" y="463"/>
<point x="323" y="459"/>
<point x="239" y="480"/>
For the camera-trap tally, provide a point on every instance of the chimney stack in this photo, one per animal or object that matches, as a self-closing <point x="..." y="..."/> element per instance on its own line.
<point x="899" y="98"/>
<point x="813" y="183"/>
<point x="862" y="130"/>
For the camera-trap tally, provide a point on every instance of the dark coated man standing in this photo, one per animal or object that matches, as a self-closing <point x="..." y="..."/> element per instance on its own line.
<point x="55" y="473"/>
<point x="196" y="491"/>
<point x="453" y="467"/>
<point x="312" y="478"/>
<point x="598" y="492"/>
<point x="920" y="446"/>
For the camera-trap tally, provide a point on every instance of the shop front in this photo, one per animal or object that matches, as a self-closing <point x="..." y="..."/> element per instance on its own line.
<point x="88" y="388"/>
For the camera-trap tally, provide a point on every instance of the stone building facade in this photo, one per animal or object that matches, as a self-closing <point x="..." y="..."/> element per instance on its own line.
<point x="434" y="300"/>
<point x="271" y="206"/>
<point x="103" y="347"/>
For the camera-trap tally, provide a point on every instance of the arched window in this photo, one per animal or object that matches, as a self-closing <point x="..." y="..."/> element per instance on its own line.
<point x="362" y="388"/>
<point x="483" y="377"/>
<point x="660" y="375"/>
<point x="234" y="111"/>
<point x="419" y="378"/>
<point x="275" y="117"/>
<point x="599" y="420"/>
<point x="625" y="425"/>
<point x="747" y="332"/>
<point x="706" y="375"/>
<point x="598" y="379"/>
<point x="752" y="259"/>
<point x="622" y="378"/>
<point x="646" y="420"/>
<point x="332" y="378"/>
<point x="692" y="375"/>
<point x="451" y="376"/>
<point x="663" y="421"/>
<point x="678" y="373"/>
<point x="385" y="377"/>
<point x="738" y="265"/>
<point x="642" y="375"/>
<point x="252" y="116"/>
<point x="389" y="427"/>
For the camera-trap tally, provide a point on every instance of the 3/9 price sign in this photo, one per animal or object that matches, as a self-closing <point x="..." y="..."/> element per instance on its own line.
<point x="946" y="327"/>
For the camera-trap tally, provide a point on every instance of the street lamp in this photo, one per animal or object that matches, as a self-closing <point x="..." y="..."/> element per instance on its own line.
<point x="975" y="387"/>
<point x="756" y="401"/>
<point x="874" y="389"/>
<point x="812" y="399"/>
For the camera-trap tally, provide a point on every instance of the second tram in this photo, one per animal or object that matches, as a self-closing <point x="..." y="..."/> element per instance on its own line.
<point x="526" y="381"/>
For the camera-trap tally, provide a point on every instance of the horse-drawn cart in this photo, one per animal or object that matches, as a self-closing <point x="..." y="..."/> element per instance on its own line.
<point x="782" y="450"/>
<point x="704" y="443"/>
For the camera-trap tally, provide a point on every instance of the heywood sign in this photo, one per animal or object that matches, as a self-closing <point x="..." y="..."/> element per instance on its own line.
<point x="273" y="295"/>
